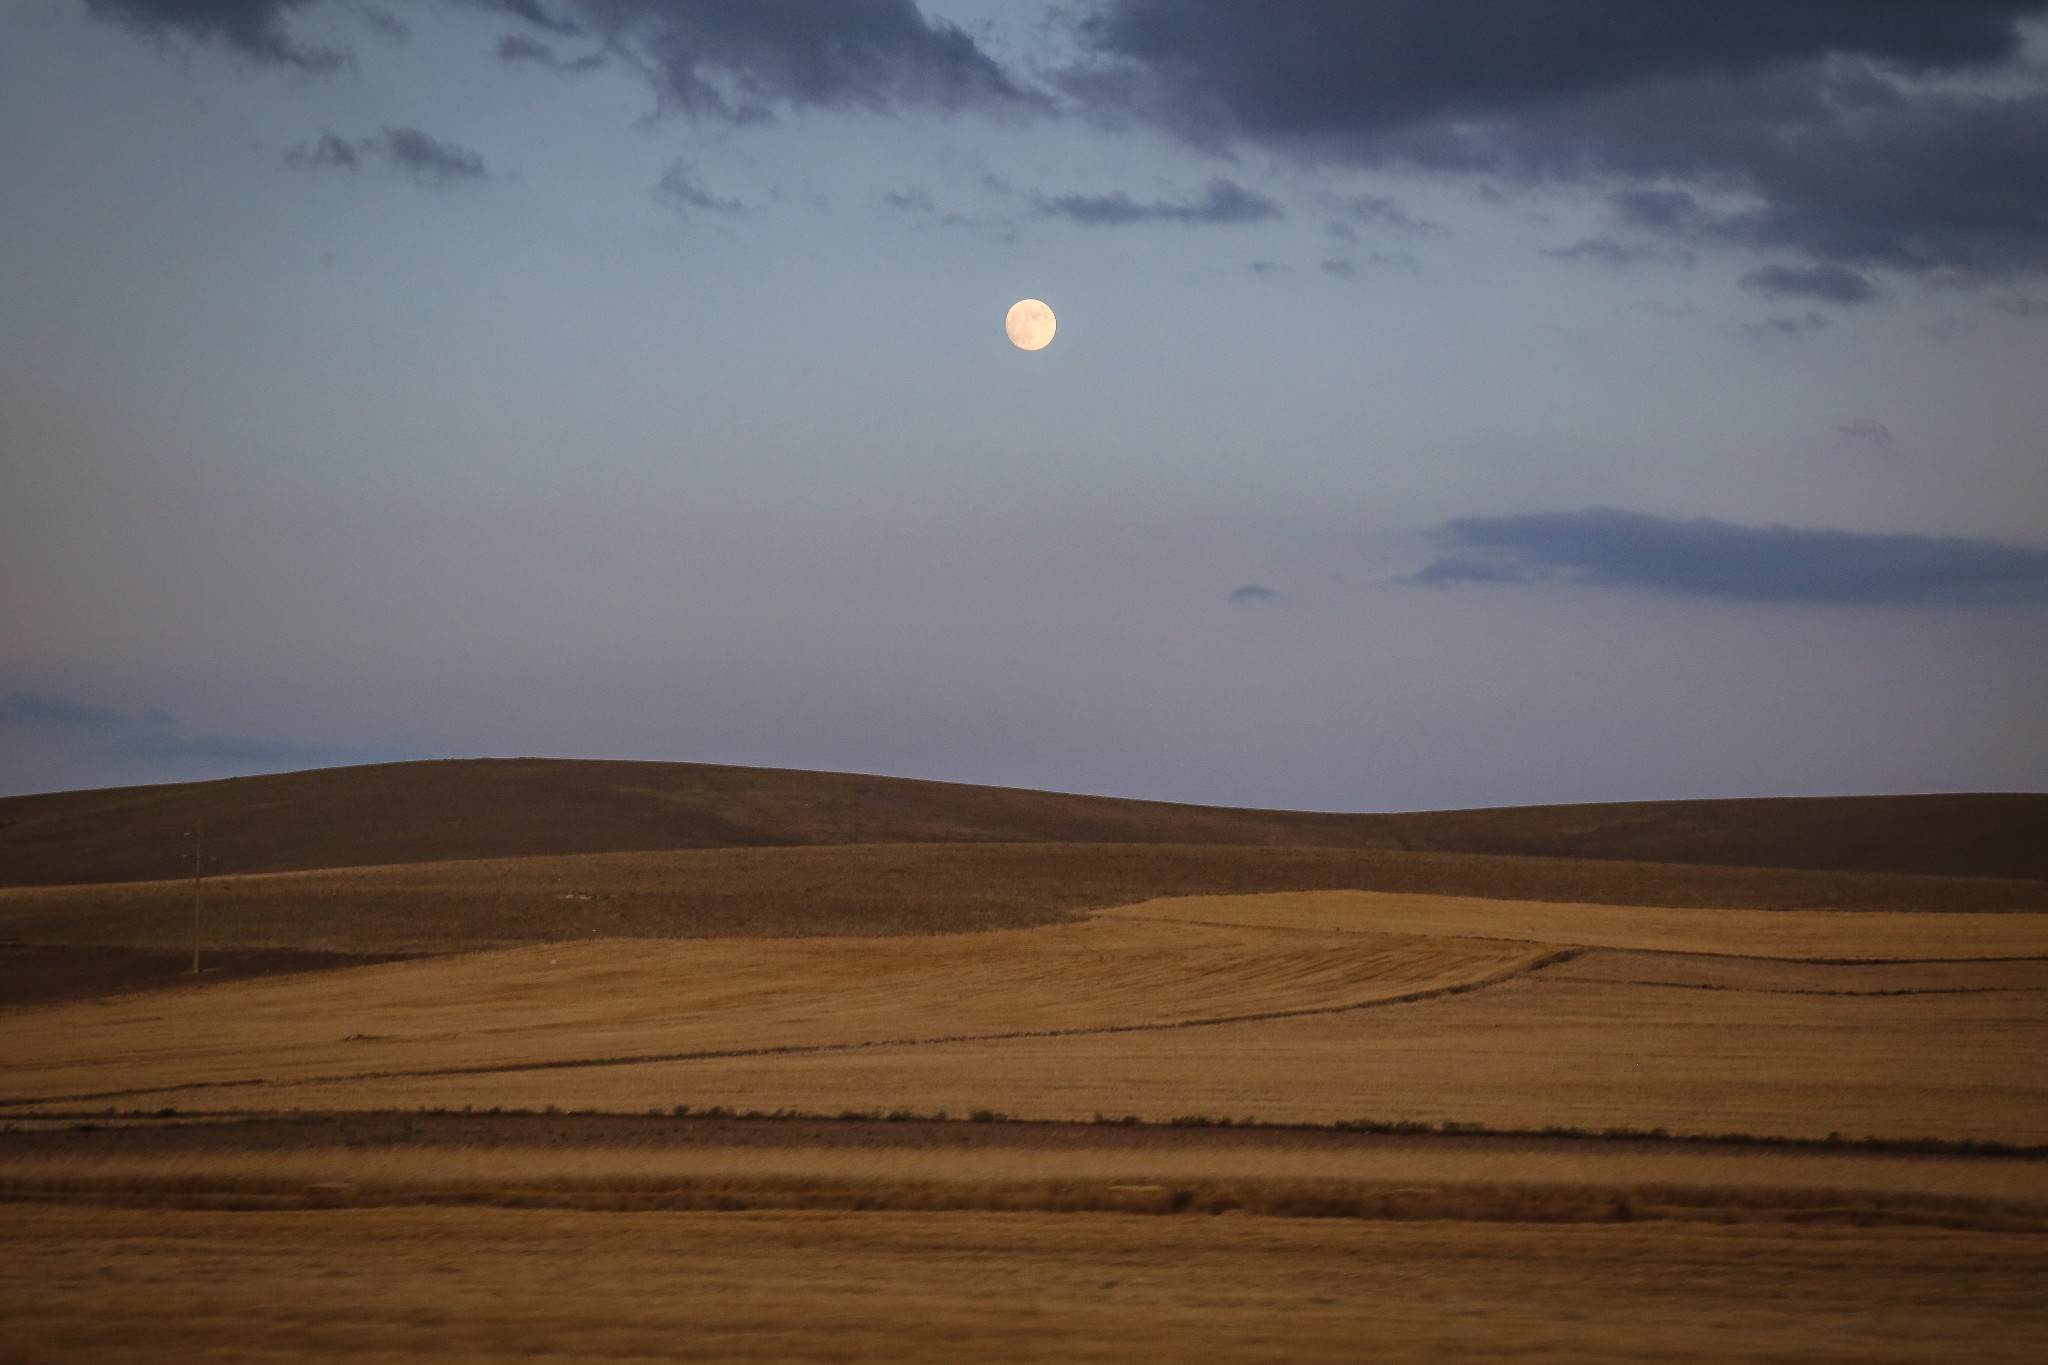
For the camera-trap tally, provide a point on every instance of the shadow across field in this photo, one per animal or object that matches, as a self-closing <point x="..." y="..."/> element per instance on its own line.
<point x="45" y="974"/>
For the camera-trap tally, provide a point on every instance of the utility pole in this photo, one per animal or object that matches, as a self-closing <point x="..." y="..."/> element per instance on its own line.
<point x="198" y="871"/>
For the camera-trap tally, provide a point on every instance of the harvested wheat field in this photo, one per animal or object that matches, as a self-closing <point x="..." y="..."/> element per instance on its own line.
<point x="495" y="1284"/>
<point x="1843" y="936"/>
<point x="1428" y="1091"/>
<point x="1306" y="1008"/>
<point x="621" y="1001"/>
<point x="474" y="1237"/>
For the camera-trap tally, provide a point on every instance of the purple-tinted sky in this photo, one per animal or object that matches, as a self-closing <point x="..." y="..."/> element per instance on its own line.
<point x="1455" y="402"/>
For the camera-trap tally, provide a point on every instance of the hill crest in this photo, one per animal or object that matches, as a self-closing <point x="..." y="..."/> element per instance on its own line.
<point x="451" y="809"/>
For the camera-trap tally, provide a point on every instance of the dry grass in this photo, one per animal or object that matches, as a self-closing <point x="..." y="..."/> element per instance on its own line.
<point x="483" y="1284"/>
<point x="1872" y="936"/>
<point x="1535" y="1052"/>
<point x="879" y="889"/>
<point x="606" y="1002"/>
<point x="1074" y="1020"/>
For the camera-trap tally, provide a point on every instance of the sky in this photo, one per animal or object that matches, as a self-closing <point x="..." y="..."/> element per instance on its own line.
<point x="1455" y="402"/>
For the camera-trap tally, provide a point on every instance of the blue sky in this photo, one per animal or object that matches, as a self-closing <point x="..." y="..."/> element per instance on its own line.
<point x="1610" y="399"/>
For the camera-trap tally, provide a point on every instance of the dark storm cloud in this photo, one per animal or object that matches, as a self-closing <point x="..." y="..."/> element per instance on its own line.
<point x="1828" y="283"/>
<point x="1222" y="201"/>
<point x="738" y="59"/>
<point x="424" y="158"/>
<point x="1349" y="66"/>
<point x="252" y="28"/>
<point x="1251" y="594"/>
<point x="1820" y="121"/>
<point x="1707" y="558"/>
<point x="726" y="59"/>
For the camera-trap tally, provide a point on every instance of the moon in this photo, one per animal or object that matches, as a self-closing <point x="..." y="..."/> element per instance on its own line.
<point x="1030" y="324"/>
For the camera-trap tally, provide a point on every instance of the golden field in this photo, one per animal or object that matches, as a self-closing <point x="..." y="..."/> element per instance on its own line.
<point x="1302" y="1008"/>
<point x="496" y="1284"/>
<point x="535" y="1142"/>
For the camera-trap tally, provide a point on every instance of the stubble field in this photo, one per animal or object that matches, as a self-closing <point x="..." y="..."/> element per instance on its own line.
<point x="1263" y="1101"/>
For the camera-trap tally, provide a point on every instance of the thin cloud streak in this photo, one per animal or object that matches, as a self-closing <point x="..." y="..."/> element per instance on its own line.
<point x="427" y="159"/>
<point x="1221" y="201"/>
<point x="1701" y="557"/>
<point x="101" y="731"/>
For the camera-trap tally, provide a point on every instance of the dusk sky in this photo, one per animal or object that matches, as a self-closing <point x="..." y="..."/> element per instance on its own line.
<point x="1455" y="402"/>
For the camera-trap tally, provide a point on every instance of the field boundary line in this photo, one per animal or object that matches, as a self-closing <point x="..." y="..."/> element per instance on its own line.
<point x="1794" y="990"/>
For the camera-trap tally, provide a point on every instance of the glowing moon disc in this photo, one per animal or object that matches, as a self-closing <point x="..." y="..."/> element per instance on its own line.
<point x="1030" y="324"/>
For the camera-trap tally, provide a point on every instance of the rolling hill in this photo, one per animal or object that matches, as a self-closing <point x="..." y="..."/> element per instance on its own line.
<point x="453" y="810"/>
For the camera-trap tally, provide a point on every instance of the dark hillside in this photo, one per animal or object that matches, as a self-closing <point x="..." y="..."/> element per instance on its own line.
<point x="493" y="808"/>
<point x="879" y="889"/>
<point x="1977" y="834"/>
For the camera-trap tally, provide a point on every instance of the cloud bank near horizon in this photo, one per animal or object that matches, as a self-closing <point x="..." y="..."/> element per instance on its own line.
<point x="154" y="735"/>
<point x="1702" y="557"/>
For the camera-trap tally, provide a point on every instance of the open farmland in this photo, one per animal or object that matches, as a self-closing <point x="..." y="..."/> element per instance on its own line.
<point x="601" y="1238"/>
<point x="621" y="1001"/>
<point x="865" y="890"/>
<point x="1294" y="1008"/>
<point x="495" y="1284"/>
<point x="1793" y="1111"/>
<point x="1845" y="937"/>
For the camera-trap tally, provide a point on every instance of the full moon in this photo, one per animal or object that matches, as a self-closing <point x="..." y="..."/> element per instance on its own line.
<point x="1030" y="324"/>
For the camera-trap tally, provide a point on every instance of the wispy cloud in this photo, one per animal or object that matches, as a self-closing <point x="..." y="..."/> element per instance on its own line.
<point x="425" y="158"/>
<point x="1609" y="251"/>
<point x="1827" y="283"/>
<point x="1701" y="557"/>
<point x="1221" y="201"/>
<point x="1867" y="431"/>
<point x="519" y="49"/>
<point x="680" y="189"/>
<point x="36" y="711"/>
